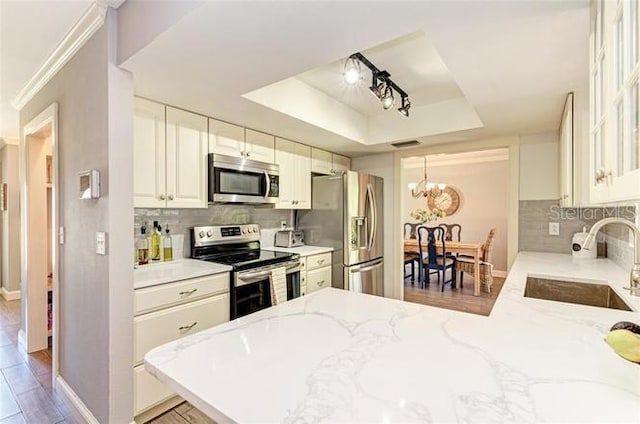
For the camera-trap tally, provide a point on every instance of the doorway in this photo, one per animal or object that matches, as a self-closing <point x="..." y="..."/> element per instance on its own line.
<point x="39" y="223"/>
<point x="467" y="195"/>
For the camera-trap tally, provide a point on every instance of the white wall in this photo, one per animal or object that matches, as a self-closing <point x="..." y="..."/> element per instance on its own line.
<point x="539" y="167"/>
<point x="96" y="298"/>
<point x="483" y="189"/>
<point x="10" y="219"/>
<point x="382" y="166"/>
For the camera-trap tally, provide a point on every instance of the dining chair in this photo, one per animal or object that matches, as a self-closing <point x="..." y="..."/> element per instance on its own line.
<point x="410" y="230"/>
<point x="466" y="264"/>
<point x="432" y="262"/>
<point x="452" y="231"/>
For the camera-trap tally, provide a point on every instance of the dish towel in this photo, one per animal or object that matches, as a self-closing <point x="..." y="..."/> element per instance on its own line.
<point x="278" y="281"/>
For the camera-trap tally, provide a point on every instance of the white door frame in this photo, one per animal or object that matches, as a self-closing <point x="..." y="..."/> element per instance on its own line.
<point x="34" y="339"/>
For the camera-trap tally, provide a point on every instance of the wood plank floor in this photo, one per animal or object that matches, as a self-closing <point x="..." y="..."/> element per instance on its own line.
<point x="26" y="390"/>
<point x="459" y="299"/>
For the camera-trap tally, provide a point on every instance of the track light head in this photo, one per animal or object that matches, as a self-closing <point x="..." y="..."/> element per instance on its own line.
<point x="352" y="72"/>
<point x="377" y="86"/>
<point x="404" y="109"/>
<point x="387" y="98"/>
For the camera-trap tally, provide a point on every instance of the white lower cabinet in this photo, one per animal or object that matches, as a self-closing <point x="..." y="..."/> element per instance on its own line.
<point x="315" y="272"/>
<point x="178" y="309"/>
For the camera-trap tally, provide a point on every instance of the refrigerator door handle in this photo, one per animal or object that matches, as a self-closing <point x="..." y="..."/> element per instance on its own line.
<point x="377" y="264"/>
<point x="372" y="213"/>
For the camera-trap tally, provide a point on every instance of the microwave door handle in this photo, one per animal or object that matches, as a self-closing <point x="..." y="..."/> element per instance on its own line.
<point x="268" y="185"/>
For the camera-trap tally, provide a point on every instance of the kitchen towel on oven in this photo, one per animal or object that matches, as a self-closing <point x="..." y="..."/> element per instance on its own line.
<point x="278" y="280"/>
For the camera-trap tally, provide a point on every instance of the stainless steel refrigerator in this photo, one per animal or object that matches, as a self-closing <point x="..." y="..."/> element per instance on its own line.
<point x="346" y="214"/>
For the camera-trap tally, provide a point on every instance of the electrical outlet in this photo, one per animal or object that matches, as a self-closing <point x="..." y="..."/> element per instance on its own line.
<point x="61" y="235"/>
<point x="554" y="228"/>
<point x="101" y="243"/>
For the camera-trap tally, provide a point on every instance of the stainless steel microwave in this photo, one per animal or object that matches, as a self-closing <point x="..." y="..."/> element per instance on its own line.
<point x="238" y="180"/>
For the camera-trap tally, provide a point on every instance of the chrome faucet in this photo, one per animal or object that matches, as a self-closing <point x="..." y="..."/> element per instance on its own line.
<point x="635" y="270"/>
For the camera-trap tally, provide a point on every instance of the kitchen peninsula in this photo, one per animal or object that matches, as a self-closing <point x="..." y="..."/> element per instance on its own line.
<point x="338" y="356"/>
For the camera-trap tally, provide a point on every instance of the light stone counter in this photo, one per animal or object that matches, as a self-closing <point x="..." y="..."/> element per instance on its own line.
<point x="154" y="274"/>
<point x="301" y="250"/>
<point x="336" y="356"/>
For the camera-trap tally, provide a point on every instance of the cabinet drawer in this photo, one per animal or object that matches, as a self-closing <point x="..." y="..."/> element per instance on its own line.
<point x="148" y="391"/>
<point x="318" y="261"/>
<point x="318" y="279"/>
<point x="162" y="296"/>
<point x="157" y="328"/>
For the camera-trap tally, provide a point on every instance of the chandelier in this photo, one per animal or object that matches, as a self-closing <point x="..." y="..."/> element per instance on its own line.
<point x="428" y="188"/>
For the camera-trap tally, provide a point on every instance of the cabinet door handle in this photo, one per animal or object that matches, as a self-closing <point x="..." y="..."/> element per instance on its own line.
<point x="187" y="327"/>
<point x="320" y="283"/>
<point x="248" y="154"/>
<point x="171" y="197"/>
<point x="187" y="292"/>
<point x="320" y="262"/>
<point x="241" y="153"/>
<point x="162" y="197"/>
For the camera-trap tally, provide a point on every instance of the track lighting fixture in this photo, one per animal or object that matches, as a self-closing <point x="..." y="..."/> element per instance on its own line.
<point x="387" y="99"/>
<point x="381" y="84"/>
<point x="404" y="109"/>
<point x="352" y="72"/>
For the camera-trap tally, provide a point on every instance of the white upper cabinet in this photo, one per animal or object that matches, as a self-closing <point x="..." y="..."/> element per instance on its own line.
<point x="226" y="139"/>
<point x="232" y="140"/>
<point x="323" y="162"/>
<point x="259" y="146"/>
<point x="615" y="109"/>
<point x="149" y="178"/>
<point x="294" y="160"/>
<point x="566" y="154"/>
<point x="186" y="159"/>
<point x="170" y="157"/>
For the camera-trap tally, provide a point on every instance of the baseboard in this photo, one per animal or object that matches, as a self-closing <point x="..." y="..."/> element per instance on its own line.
<point x="501" y="274"/>
<point x="79" y="410"/>
<point x="10" y="295"/>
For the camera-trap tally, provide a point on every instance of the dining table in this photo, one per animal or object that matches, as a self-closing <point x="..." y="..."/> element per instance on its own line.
<point x="470" y="248"/>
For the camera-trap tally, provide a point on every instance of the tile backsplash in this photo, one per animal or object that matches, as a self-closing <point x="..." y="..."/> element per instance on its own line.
<point x="180" y="221"/>
<point x="535" y="216"/>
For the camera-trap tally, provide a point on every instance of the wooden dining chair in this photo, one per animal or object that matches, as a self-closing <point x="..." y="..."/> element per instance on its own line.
<point x="410" y="230"/>
<point x="409" y="256"/>
<point x="466" y="264"/>
<point x="430" y="260"/>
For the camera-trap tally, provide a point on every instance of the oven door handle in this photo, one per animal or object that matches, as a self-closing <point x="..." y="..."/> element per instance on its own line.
<point x="251" y="277"/>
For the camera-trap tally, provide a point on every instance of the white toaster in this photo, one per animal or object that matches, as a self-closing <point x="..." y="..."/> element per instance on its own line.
<point x="289" y="238"/>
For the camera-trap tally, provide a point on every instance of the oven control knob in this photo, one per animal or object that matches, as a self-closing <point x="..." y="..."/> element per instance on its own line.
<point x="201" y="234"/>
<point x="244" y="231"/>
<point x="209" y="233"/>
<point x="255" y="230"/>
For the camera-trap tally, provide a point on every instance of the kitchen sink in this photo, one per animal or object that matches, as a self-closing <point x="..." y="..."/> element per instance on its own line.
<point x="600" y="295"/>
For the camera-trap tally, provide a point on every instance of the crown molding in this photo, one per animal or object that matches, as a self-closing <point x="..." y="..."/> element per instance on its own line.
<point x="81" y="32"/>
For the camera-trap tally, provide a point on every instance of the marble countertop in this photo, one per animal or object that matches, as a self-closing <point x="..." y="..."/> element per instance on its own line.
<point x="337" y="356"/>
<point x="301" y="250"/>
<point x="154" y="274"/>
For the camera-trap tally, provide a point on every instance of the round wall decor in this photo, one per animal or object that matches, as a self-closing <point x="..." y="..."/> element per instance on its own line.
<point x="448" y="200"/>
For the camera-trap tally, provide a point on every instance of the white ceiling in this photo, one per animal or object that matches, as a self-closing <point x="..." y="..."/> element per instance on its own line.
<point x="29" y="32"/>
<point x="514" y="62"/>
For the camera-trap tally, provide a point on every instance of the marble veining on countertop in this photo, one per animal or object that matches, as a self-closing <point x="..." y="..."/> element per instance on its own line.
<point x="338" y="356"/>
<point x="301" y="250"/>
<point x="154" y="274"/>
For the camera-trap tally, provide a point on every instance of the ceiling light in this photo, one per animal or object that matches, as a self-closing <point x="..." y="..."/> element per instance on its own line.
<point x="404" y="109"/>
<point x="381" y="84"/>
<point x="352" y="72"/>
<point x="387" y="99"/>
<point x="430" y="188"/>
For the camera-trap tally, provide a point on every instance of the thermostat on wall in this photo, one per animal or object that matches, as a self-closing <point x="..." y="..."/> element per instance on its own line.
<point x="90" y="184"/>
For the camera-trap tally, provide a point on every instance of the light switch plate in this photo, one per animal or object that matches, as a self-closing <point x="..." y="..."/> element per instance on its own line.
<point x="61" y="235"/>
<point x="101" y="243"/>
<point x="554" y="228"/>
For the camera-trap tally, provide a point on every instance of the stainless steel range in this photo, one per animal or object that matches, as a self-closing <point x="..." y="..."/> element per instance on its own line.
<point x="239" y="247"/>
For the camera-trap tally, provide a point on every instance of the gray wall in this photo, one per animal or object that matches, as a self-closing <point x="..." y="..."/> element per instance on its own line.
<point x="182" y="220"/>
<point x="535" y="216"/>
<point x="10" y="220"/>
<point x="95" y="330"/>
<point x="382" y="165"/>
